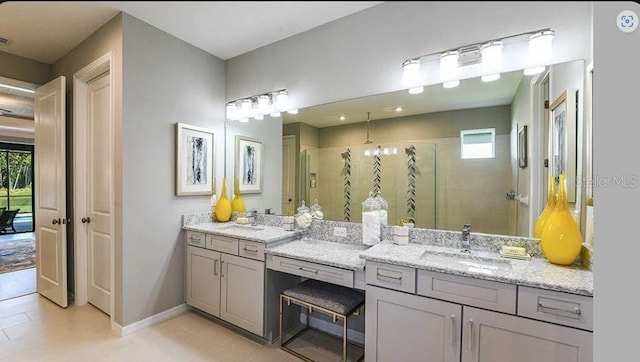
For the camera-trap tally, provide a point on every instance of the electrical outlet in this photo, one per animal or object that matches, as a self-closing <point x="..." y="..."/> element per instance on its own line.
<point x="340" y="232"/>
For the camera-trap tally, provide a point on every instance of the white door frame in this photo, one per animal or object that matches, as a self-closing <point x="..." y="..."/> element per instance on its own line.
<point x="537" y="202"/>
<point x="80" y="81"/>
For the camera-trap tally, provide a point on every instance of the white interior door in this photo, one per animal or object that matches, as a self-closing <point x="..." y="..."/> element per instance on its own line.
<point x="50" y="202"/>
<point x="99" y="166"/>
<point x="288" y="174"/>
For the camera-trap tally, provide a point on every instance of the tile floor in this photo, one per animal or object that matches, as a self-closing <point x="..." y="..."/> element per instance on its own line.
<point x="34" y="329"/>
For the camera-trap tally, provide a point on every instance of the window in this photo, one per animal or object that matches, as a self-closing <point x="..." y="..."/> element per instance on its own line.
<point x="478" y="143"/>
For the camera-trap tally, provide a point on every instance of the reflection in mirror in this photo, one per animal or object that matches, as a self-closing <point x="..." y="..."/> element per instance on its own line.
<point x="443" y="158"/>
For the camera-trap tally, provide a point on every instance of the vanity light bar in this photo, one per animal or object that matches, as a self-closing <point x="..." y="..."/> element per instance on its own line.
<point x="257" y="106"/>
<point x="489" y="53"/>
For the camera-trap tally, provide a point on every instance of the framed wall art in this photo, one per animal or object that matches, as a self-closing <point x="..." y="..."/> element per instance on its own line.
<point x="195" y="166"/>
<point x="248" y="164"/>
<point x="522" y="147"/>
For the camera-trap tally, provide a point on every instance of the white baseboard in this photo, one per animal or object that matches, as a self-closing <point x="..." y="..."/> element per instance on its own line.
<point x="148" y="322"/>
<point x="333" y="328"/>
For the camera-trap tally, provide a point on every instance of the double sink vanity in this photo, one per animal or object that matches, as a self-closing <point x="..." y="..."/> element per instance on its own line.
<point x="427" y="300"/>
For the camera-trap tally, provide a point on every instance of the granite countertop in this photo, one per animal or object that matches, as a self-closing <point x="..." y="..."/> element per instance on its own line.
<point x="346" y="256"/>
<point x="535" y="272"/>
<point x="260" y="233"/>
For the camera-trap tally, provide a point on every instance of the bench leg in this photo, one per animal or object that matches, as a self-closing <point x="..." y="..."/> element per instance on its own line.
<point x="344" y="339"/>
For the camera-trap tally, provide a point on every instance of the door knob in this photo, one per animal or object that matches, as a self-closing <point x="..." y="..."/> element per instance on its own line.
<point x="86" y="220"/>
<point x="56" y="221"/>
<point x="66" y="221"/>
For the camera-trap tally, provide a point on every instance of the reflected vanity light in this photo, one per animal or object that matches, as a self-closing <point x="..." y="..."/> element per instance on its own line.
<point x="487" y="53"/>
<point x="342" y="118"/>
<point x="293" y="111"/>
<point x="398" y="109"/>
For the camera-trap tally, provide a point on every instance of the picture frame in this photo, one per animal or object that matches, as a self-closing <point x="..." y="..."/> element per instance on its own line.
<point x="249" y="164"/>
<point x="522" y="147"/>
<point x="563" y="142"/>
<point x="195" y="160"/>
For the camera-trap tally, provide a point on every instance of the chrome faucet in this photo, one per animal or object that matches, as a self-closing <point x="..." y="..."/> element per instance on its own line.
<point x="466" y="237"/>
<point x="254" y="217"/>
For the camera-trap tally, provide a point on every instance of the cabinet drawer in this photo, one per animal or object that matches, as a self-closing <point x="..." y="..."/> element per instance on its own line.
<point x="251" y="249"/>
<point x="390" y="276"/>
<point x="223" y="244"/>
<point x="556" y="307"/>
<point x="196" y="239"/>
<point x="306" y="269"/>
<point x="487" y="294"/>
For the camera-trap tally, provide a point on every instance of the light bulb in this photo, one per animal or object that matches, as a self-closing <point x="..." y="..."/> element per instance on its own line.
<point x="411" y="73"/>
<point x="263" y="104"/>
<point x="416" y="90"/>
<point x="449" y="66"/>
<point x="245" y="108"/>
<point x="342" y="118"/>
<point x="490" y="77"/>
<point x="293" y="111"/>
<point x="282" y="100"/>
<point x="398" y="109"/>
<point x="259" y="117"/>
<point x="275" y="114"/>
<point x="244" y="120"/>
<point x="452" y="84"/>
<point x="231" y="111"/>
<point x="491" y="60"/>
<point x="540" y="48"/>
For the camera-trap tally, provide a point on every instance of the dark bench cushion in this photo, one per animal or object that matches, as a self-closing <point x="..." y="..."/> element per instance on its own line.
<point x="335" y="298"/>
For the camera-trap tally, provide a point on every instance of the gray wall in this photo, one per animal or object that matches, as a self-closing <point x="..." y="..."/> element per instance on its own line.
<point x="106" y="38"/>
<point x="361" y="54"/>
<point x="26" y="70"/>
<point x="165" y="81"/>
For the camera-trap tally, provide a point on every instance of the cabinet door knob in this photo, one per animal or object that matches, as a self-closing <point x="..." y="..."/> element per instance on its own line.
<point x="86" y="220"/>
<point x="56" y="221"/>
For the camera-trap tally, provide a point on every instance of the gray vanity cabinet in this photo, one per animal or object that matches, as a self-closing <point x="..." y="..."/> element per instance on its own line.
<point x="442" y="321"/>
<point x="227" y="286"/>
<point x="203" y="279"/>
<point x="242" y="292"/>
<point x="490" y="337"/>
<point x="406" y="327"/>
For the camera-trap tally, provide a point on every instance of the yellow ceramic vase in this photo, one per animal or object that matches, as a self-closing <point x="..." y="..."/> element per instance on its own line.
<point x="237" y="205"/>
<point x="223" y="206"/>
<point x="551" y="205"/>
<point x="561" y="239"/>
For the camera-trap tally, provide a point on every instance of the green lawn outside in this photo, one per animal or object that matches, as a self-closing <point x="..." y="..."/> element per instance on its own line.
<point x="19" y="198"/>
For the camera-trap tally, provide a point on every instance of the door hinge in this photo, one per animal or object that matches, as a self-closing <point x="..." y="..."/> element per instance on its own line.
<point x="546" y="104"/>
<point x="546" y="162"/>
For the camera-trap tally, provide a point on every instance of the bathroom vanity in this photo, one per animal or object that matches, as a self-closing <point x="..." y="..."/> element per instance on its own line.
<point x="449" y="305"/>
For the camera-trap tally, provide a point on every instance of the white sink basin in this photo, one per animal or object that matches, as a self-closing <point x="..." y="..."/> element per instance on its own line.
<point x="472" y="261"/>
<point x="240" y="228"/>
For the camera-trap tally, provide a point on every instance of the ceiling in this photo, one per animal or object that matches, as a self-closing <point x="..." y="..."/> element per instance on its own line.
<point x="471" y="93"/>
<point x="46" y="31"/>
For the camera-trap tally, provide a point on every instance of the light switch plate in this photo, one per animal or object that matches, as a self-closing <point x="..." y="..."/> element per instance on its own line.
<point x="340" y="232"/>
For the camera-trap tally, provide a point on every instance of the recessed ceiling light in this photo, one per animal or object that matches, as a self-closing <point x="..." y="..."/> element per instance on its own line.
<point x="342" y="118"/>
<point x="398" y="109"/>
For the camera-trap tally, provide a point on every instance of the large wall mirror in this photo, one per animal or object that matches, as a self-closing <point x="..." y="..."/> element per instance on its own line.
<point x="480" y="153"/>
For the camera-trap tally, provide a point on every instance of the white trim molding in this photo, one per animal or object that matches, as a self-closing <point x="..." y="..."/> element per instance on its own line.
<point x="148" y="322"/>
